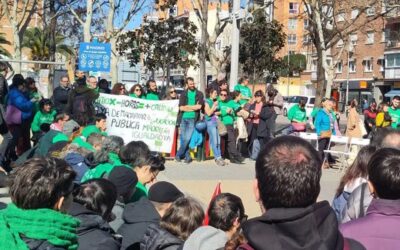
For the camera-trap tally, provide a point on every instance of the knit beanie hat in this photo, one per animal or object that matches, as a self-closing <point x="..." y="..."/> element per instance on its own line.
<point x="124" y="179"/>
<point x="164" y="192"/>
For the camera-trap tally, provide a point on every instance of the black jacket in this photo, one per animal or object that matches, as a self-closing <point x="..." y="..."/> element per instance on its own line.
<point x="93" y="232"/>
<point x="90" y="96"/>
<point x="265" y="116"/>
<point x="40" y="244"/>
<point x="137" y="217"/>
<point x="183" y="101"/>
<point x="157" y="238"/>
<point x="314" y="227"/>
<point x="60" y="98"/>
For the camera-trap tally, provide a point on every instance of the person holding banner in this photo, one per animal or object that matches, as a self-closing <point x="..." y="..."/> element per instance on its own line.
<point x="191" y="102"/>
<point x="137" y="91"/>
<point x="152" y="93"/>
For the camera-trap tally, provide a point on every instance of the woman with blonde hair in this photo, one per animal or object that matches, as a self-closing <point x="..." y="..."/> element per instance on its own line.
<point x="171" y="94"/>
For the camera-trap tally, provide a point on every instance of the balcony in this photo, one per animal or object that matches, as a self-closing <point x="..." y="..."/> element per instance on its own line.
<point x="393" y="14"/>
<point x="392" y="73"/>
<point x="392" y="44"/>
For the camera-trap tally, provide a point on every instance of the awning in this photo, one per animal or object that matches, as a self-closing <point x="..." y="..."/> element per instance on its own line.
<point x="392" y="93"/>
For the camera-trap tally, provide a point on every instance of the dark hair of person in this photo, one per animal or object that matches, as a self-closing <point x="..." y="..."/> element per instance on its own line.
<point x="41" y="182"/>
<point x="384" y="173"/>
<point x="235" y="94"/>
<point x="381" y="106"/>
<point x="209" y="91"/>
<point x="358" y="168"/>
<point x="103" y="85"/>
<point x="382" y="137"/>
<point x="97" y="195"/>
<point x="222" y="82"/>
<point x="353" y="103"/>
<point x="261" y="93"/>
<point x="397" y="98"/>
<point x="224" y="90"/>
<point x="60" y="116"/>
<point x="288" y="171"/>
<point x="224" y="209"/>
<point x="99" y="117"/>
<point x="110" y="144"/>
<point x="17" y="81"/>
<point x="236" y="241"/>
<point x="189" y="79"/>
<point x="44" y="102"/>
<point x="183" y="217"/>
<point x="3" y="66"/>
<point x="148" y="84"/>
<point x="137" y="85"/>
<point x="135" y="154"/>
<point x="242" y="79"/>
<point x="116" y="90"/>
<point x="156" y="162"/>
<point x="95" y="139"/>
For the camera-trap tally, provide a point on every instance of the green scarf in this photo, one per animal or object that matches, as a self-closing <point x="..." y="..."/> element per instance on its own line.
<point x="39" y="224"/>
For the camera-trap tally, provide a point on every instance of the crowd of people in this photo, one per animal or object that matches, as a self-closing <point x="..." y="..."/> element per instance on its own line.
<point x="76" y="187"/>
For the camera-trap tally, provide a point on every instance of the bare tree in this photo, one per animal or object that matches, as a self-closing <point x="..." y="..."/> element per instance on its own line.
<point x="19" y="14"/>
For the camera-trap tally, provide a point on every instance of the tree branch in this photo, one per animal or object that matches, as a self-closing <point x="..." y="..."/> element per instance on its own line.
<point x="75" y="15"/>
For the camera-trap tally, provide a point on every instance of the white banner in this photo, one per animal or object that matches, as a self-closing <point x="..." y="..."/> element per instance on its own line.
<point x="136" y="119"/>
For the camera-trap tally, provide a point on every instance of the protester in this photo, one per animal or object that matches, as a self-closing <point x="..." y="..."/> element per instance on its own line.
<point x="80" y="100"/>
<point x="226" y="213"/>
<point x="356" y="175"/>
<point x="275" y="100"/>
<point x="22" y="110"/>
<point x="223" y="85"/>
<point x="378" y="228"/>
<point x="60" y="94"/>
<point x="353" y="121"/>
<point x="394" y="112"/>
<point x="369" y="117"/>
<point x="118" y="89"/>
<point x="139" y="215"/>
<point x="40" y="191"/>
<point x="244" y="90"/>
<point x="227" y="116"/>
<point x="59" y="121"/>
<point x="137" y="91"/>
<point x="125" y="180"/>
<point x="104" y="86"/>
<point x="221" y="77"/>
<point x="383" y="118"/>
<point x="137" y="155"/>
<point x="42" y="120"/>
<point x="180" y="220"/>
<point x="5" y="133"/>
<point x="297" y="116"/>
<point x="106" y="158"/>
<point x="152" y="92"/>
<point x="324" y="126"/>
<point x="92" y="204"/>
<point x="287" y="185"/>
<point x="191" y="102"/>
<point x="211" y="111"/>
<point x="99" y="126"/>
<point x="33" y="93"/>
<point x="257" y="128"/>
<point x="171" y="94"/>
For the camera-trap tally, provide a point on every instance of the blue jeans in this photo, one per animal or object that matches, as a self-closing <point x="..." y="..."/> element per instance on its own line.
<point x="215" y="139"/>
<point x="187" y="129"/>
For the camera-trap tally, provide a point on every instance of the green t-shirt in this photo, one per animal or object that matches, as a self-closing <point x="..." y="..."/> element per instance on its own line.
<point x="152" y="96"/>
<point x="395" y="114"/>
<point x="191" y="101"/>
<point x="104" y="168"/>
<point x="210" y="104"/>
<point x="228" y="118"/>
<point x="298" y="114"/>
<point x="88" y="130"/>
<point x="83" y="144"/>
<point x="135" y="96"/>
<point x="245" y="91"/>
<point x="42" y="118"/>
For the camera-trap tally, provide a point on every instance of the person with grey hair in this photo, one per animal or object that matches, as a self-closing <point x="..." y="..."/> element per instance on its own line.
<point x="107" y="158"/>
<point x="60" y="94"/>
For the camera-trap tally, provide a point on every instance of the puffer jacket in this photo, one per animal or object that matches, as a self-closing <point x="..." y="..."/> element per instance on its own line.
<point x="157" y="238"/>
<point x="20" y="101"/>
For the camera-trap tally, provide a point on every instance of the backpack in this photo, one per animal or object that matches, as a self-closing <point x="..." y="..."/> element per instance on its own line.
<point x="80" y="104"/>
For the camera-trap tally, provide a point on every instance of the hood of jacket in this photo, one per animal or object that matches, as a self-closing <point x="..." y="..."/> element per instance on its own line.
<point x="158" y="238"/>
<point x="89" y="219"/>
<point x="74" y="158"/>
<point x="205" y="238"/>
<point x="313" y="227"/>
<point x="140" y="211"/>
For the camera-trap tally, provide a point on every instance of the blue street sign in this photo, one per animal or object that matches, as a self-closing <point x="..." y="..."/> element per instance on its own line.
<point x="94" y="57"/>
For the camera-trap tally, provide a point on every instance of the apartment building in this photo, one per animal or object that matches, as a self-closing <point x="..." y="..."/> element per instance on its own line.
<point x="359" y="56"/>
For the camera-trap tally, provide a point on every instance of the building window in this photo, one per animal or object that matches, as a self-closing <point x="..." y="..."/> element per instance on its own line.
<point x="392" y="60"/>
<point x="352" y="66"/>
<point x="292" y="24"/>
<point x="293" y="8"/>
<point x="341" y="17"/>
<point x="354" y="13"/>
<point x="173" y="11"/>
<point x="353" y="39"/>
<point x="306" y="23"/>
<point x="307" y="39"/>
<point x="339" y="43"/>
<point x="386" y="35"/>
<point x="367" y="65"/>
<point x="339" y="67"/>
<point x="292" y="39"/>
<point x="370" y="37"/>
<point x="370" y="11"/>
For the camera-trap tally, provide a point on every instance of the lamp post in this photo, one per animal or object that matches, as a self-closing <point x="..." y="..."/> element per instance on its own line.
<point x="349" y="54"/>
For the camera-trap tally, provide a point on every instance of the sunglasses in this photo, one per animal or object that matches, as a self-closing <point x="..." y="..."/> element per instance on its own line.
<point x="138" y="90"/>
<point x="223" y="95"/>
<point x="172" y="91"/>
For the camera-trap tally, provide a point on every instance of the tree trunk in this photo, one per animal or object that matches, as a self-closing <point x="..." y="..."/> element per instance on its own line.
<point x="17" y="46"/>
<point x="203" y="49"/>
<point x="87" y="36"/>
<point x="114" y="61"/>
<point x="52" y="41"/>
<point x="320" y="88"/>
